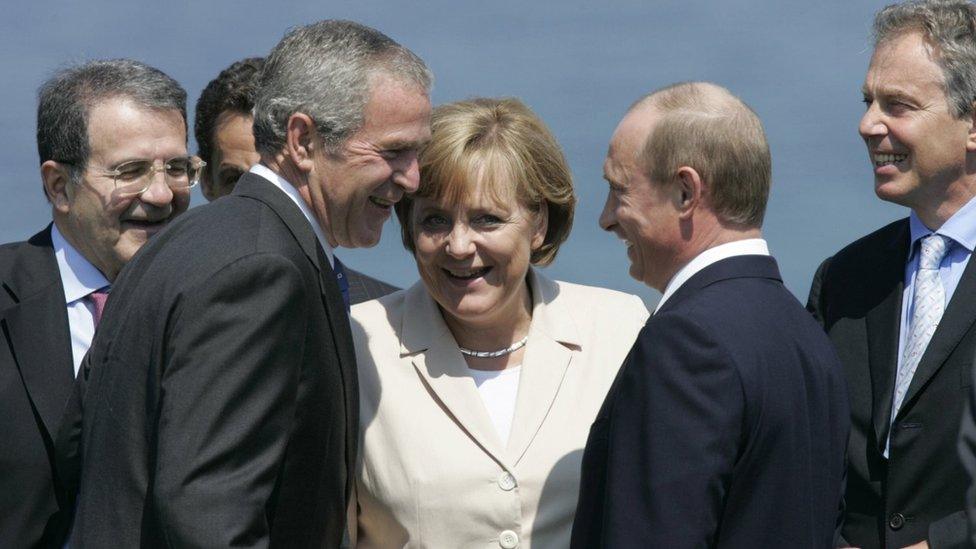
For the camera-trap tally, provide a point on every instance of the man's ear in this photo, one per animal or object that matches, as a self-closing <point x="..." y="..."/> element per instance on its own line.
<point x="541" y="226"/>
<point x="971" y="138"/>
<point x="300" y="140"/>
<point x="56" y="179"/>
<point x="689" y="190"/>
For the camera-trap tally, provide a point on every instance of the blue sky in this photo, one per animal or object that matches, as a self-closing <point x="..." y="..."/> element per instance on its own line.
<point x="579" y="65"/>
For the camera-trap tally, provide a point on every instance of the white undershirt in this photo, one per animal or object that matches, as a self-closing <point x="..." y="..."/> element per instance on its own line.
<point x="78" y="278"/>
<point x="499" y="389"/>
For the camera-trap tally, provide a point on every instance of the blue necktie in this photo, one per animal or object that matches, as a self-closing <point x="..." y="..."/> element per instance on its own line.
<point x="341" y="279"/>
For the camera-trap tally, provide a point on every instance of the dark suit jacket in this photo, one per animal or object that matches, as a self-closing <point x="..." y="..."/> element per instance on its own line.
<point x="967" y="454"/>
<point x="36" y="375"/>
<point x="726" y="425"/>
<point x="222" y="404"/>
<point x="364" y="288"/>
<point x="918" y="493"/>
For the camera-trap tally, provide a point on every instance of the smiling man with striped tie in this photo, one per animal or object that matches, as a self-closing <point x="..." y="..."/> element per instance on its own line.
<point x="900" y="303"/>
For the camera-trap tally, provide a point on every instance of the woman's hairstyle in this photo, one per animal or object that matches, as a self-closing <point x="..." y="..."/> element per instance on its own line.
<point x="503" y="144"/>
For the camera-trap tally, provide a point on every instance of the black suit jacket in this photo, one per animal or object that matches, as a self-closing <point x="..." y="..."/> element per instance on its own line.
<point x="725" y="427"/>
<point x="918" y="493"/>
<point x="364" y="288"/>
<point x="221" y="407"/>
<point x="36" y="375"/>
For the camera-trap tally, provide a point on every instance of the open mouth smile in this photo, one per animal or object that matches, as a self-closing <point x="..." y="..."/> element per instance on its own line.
<point x="888" y="159"/>
<point x="466" y="274"/>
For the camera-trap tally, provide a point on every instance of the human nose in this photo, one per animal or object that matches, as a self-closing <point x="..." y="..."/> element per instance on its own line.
<point x="459" y="241"/>
<point x="158" y="192"/>
<point x="608" y="217"/>
<point x="872" y="122"/>
<point x="407" y="174"/>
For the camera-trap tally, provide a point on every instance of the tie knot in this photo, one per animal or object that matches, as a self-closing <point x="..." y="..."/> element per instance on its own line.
<point x="934" y="248"/>
<point x="98" y="299"/>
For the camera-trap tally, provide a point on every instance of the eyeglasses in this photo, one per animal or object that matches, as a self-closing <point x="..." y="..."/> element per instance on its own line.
<point x="135" y="177"/>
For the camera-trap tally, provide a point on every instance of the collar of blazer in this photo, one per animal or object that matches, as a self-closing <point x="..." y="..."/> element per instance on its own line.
<point x="252" y="185"/>
<point x="35" y="328"/>
<point x="740" y="266"/>
<point x="554" y="338"/>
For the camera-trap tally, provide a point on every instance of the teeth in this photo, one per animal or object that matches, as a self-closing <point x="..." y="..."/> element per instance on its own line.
<point x="467" y="274"/>
<point x="381" y="202"/>
<point x="885" y="159"/>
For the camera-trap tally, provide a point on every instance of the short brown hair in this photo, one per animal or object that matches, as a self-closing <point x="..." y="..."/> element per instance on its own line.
<point x="496" y="141"/>
<point x="950" y="26"/>
<point x="703" y="126"/>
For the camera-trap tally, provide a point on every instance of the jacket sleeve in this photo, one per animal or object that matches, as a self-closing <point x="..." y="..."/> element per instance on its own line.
<point x="232" y="363"/>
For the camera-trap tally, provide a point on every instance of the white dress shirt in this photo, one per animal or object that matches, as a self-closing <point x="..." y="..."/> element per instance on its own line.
<point x="749" y="246"/>
<point x="78" y="278"/>
<point x="289" y="189"/>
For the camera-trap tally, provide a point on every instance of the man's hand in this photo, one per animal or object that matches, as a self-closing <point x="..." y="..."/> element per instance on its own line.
<point x="920" y="545"/>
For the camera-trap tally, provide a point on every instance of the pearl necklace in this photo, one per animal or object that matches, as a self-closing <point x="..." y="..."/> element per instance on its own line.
<point x="495" y="354"/>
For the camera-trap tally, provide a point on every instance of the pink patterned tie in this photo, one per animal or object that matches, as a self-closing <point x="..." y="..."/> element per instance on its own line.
<point x="97" y="299"/>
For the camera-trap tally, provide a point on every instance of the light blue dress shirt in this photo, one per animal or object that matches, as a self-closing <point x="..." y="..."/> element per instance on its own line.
<point x="960" y="229"/>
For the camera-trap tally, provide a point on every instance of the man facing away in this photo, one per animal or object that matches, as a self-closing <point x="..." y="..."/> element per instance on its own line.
<point x="104" y="130"/>
<point x="727" y="423"/>
<point x="223" y="127"/>
<point x="900" y="303"/>
<point x="222" y="404"/>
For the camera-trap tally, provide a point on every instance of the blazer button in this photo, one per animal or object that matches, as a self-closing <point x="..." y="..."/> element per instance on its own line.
<point x="896" y="521"/>
<point x="508" y="540"/>
<point x="506" y="481"/>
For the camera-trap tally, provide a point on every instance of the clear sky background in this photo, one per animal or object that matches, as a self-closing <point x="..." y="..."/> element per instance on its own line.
<point x="579" y="65"/>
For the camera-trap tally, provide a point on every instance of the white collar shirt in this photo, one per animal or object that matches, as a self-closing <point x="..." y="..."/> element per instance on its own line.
<point x="750" y="246"/>
<point x="78" y="278"/>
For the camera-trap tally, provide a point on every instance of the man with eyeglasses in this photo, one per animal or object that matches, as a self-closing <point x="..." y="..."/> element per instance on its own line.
<point x="222" y="402"/>
<point x="112" y="142"/>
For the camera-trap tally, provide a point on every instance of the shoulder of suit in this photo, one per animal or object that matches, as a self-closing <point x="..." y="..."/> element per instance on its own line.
<point x="878" y="240"/>
<point x="383" y="307"/>
<point x="592" y="302"/>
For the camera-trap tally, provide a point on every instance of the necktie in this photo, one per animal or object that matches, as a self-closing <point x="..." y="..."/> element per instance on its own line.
<point x="98" y="299"/>
<point x="340" y="273"/>
<point x="928" y="304"/>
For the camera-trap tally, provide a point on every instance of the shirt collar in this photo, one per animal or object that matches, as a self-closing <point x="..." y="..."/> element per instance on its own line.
<point x="292" y="192"/>
<point x="961" y="227"/>
<point x="78" y="276"/>
<point x="749" y="246"/>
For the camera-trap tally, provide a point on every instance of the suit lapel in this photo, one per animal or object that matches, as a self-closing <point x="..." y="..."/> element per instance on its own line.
<point x="882" y="323"/>
<point x="36" y="330"/>
<point x="439" y="363"/>
<point x="549" y="352"/>
<point x="959" y="316"/>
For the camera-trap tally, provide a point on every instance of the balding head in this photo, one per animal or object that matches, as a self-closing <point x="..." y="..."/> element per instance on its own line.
<point x="703" y="126"/>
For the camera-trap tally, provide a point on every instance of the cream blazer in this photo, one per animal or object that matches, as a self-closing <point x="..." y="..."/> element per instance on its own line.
<point x="432" y="470"/>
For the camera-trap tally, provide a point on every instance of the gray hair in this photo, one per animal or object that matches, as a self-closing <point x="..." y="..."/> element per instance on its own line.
<point x="325" y="70"/>
<point x="66" y="99"/>
<point x="949" y="25"/>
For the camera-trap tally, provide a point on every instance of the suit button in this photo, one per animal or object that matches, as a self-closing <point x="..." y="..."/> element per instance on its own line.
<point x="508" y="539"/>
<point x="896" y="521"/>
<point x="506" y="481"/>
